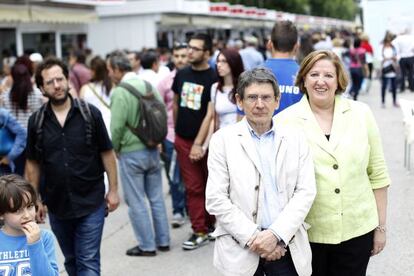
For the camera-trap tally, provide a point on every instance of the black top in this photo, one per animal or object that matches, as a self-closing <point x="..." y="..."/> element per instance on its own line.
<point x="193" y="88"/>
<point x="72" y="170"/>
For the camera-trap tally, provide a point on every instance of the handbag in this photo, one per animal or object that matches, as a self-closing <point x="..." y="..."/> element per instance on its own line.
<point x="6" y="140"/>
<point x="388" y="69"/>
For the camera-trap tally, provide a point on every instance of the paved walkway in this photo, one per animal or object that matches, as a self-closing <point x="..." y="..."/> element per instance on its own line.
<point x="396" y="260"/>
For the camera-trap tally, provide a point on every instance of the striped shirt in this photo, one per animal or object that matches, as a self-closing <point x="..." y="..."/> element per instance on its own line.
<point x="34" y="102"/>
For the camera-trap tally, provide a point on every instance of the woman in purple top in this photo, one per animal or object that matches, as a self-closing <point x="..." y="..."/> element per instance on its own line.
<point x="357" y="67"/>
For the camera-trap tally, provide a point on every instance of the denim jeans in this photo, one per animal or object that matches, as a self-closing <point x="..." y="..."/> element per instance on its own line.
<point x="384" y="85"/>
<point x="80" y="241"/>
<point x="174" y="179"/>
<point x="141" y="181"/>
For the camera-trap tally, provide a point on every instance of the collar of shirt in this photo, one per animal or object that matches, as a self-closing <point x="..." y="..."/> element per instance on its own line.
<point x="129" y="75"/>
<point x="267" y="134"/>
<point x="73" y="105"/>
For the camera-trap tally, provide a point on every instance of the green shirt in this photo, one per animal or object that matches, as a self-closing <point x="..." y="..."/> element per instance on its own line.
<point x="348" y="168"/>
<point x="125" y="111"/>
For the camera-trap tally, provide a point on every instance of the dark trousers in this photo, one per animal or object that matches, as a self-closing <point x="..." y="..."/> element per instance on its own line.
<point x="345" y="259"/>
<point x="20" y="163"/>
<point x="407" y="71"/>
<point x="393" y="83"/>
<point x="80" y="241"/>
<point x="195" y="181"/>
<point x="281" y="267"/>
<point x="357" y="77"/>
<point x="174" y="179"/>
<point x="5" y="169"/>
<point x="370" y="69"/>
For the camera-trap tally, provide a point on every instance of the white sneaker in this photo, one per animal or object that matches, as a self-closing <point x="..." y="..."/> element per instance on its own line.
<point x="177" y="220"/>
<point x="195" y="241"/>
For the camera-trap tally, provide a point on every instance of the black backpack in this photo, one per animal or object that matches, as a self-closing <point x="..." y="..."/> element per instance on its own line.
<point x="152" y="124"/>
<point x="40" y="116"/>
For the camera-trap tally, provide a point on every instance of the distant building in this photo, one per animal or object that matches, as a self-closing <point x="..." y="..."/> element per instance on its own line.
<point x="143" y="23"/>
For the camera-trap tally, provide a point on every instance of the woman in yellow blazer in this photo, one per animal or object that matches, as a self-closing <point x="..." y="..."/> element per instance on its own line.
<point x="348" y="216"/>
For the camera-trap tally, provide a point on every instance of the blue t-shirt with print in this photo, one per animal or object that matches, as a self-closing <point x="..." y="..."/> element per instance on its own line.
<point x="285" y="71"/>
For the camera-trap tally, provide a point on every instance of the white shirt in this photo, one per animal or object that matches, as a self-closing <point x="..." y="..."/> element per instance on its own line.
<point x="404" y="45"/>
<point x="225" y="109"/>
<point x="388" y="53"/>
<point x="154" y="78"/>
<point x="90" y="97"/>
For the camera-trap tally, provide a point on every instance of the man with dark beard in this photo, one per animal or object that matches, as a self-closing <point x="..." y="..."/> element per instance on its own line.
<point x="192" y="88"/>
<point x="71" y="153"/>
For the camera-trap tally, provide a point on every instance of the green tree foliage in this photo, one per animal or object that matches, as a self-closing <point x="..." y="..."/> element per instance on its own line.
<point x="343" y="9"/>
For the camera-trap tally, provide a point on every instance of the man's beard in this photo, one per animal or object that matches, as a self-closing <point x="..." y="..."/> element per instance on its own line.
<point x="197" y="62"/>
<point x="61" y="101"/>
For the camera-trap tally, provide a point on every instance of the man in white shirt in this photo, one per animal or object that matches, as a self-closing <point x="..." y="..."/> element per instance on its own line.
<point x="152" y="71"/>
<point x="251" y="57"/>
<point x="404" y="43"/>
<point x="134" y="58"/>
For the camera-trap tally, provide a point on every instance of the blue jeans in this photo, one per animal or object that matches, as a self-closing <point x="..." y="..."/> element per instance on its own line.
<point x="174" y="179"/>
<point x="141" y="181"/>
<point x="384" y="85"/>
<point x="80" y="241"/>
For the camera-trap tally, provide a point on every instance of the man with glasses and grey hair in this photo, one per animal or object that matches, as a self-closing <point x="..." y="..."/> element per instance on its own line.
<point x="260" y="187"/>
<point x="139" y="165"/>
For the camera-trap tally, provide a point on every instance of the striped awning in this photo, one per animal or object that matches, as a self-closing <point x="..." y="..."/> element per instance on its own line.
<point x="43" y="14"/>
<point x="14" y="13"/>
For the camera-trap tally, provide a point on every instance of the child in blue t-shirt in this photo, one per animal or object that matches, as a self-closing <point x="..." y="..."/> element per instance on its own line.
<point x="25" y="249"/>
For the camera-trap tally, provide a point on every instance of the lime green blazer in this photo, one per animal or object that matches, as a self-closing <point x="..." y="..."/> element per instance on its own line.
<point x="348" y="167"/>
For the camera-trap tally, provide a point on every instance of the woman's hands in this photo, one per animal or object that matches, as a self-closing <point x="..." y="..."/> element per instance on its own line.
<point x="380" y="238"/>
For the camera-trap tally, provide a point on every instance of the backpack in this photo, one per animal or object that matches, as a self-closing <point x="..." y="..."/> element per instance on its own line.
<point x="152" y="124"/>
<point x="40" y="116"/>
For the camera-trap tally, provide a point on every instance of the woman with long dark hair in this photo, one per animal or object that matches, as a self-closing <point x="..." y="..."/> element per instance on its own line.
<point x="229" y="67"/>
<point x="98" y="90"/>
<point x="222" y="108"/>
<point x="389" y="67"/>
<point x="23" y="98"/>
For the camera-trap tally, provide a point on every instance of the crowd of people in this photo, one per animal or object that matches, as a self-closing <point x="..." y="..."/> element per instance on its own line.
<point x="267" y="153"/>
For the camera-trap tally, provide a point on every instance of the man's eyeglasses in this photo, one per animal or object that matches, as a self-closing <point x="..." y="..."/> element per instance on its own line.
<point x="189" y="47"/>
<point x="52" y="81"/>
<point x="253" y="98"/>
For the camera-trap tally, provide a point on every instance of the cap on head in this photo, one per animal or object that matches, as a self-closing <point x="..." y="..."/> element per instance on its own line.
<point x="36" y="57"/>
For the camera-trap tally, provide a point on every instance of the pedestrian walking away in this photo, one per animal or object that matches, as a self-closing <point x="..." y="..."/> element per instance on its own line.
<point x="139" y="165"/>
